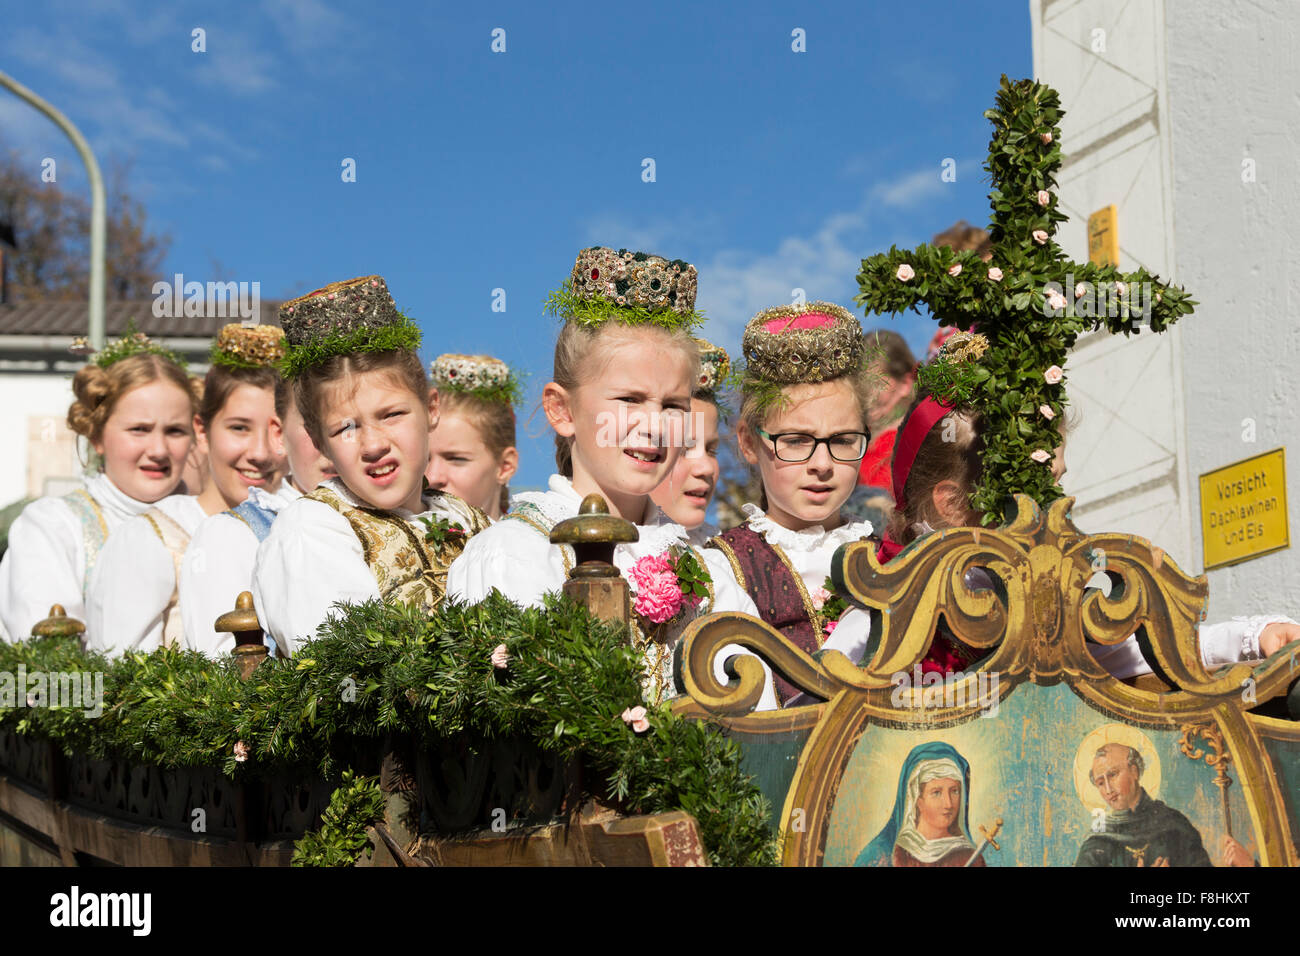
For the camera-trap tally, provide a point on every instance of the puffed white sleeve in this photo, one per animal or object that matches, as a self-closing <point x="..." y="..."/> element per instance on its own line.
<point x="41" y="568"/>
<point x="851" y="634"/>
<point x="129" y="591"/>
<point x="310" y="560"/>
<point x="728" y="595"/>
<point x="1224" y="643"/>
<point x="511" y="557"/>
<point x="217" y="566"/>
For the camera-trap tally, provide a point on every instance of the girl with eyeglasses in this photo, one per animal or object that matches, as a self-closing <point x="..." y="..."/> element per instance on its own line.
<point x="803" y="424"/>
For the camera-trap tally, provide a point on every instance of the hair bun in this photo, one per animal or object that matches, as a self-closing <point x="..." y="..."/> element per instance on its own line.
<point x="91" y="387"/>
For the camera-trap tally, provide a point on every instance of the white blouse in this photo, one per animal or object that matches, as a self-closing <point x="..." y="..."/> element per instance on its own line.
<point x="218" y="565"/>
<point x="521" y="563"/>
<point x="45" y="563"/>
<point x="134" y="580"/>
<point x="313" y="559"/>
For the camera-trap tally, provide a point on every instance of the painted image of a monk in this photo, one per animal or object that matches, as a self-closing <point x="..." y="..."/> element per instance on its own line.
<point x="928" y="826"/>
<point x="1138" y="830"/>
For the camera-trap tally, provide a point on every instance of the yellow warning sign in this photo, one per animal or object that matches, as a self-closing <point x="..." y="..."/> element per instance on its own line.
<point x="1243" y="509"/>
<point x="1103" y="237"/>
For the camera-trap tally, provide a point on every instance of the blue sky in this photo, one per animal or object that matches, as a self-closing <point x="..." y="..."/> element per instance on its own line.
<point x="476" y="170"/>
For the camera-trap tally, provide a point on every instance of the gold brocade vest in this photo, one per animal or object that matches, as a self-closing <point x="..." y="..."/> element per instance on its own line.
<point x="407" y="567"/>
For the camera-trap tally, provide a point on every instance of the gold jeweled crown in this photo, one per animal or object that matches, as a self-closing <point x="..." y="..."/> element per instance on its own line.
<point x="794" y="344"/>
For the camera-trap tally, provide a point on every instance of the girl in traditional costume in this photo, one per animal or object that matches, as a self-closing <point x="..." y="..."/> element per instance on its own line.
<point x="135" y="406"/>
<point x="684" y="496"/>
<point x="134" y="594"/>
<point x="625" y="369"/>
<point x="803" y="423"/>
<point x="373" y="531"/>
<point x="472" y="450"/>
<point x="936" y="467"/>
<point x="218" y="564"/>
<point x="929" y="825"/>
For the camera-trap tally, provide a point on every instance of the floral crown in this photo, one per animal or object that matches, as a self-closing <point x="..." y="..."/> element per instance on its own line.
<point x="483" y="376"/>
<point x="132" y="342"/>
<point x="248" y="346"/>
<point x="357" y="315"/>
<point x="715" y="367"/>
<point x="953" y="377"/>
<point x="635" y="288"/>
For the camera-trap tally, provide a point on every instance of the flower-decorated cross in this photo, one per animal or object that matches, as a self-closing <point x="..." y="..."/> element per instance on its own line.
<point x="1029" y="301"/>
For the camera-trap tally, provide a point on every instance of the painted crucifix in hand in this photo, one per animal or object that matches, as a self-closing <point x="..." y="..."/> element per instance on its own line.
<point x="1029" y="301"/>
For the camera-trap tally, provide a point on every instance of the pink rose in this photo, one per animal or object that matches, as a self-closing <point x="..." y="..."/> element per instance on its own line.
<point x="1045" y="137"/>
<point x="658" y="595"/>
<point x="1044" y="197"/>
<point x="954" y="270"/>
<point x="819" y="597"/>
<point x="1046" y="412"/>
<point x="1055" y="300"/>
<point x="830" y="626"/>
<point x="1040" y="236"/>
<point x="905" y="272"/>
<point x="635" y="718"/>
<point x="1053" y="375"/>
<point x="1041" y="456"/>
<point x="241" y="751"/>
<point x="1080" y="290"/>
<point x="500" y="658"/>
<point x="1120" y="288"/>
<point x="995" y="274"/>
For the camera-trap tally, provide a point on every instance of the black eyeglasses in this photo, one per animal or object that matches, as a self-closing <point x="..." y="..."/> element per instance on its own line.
<point x="797" y="446"/>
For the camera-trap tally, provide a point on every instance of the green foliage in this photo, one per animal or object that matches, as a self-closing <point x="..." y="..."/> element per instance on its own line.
<point x="510" y="392"/>
<point x="354" y="806"/>
<point x="403" y="335"/>
<point x="132" y="342"/>
<point x="437" y="530"/>
<point x="388" y="669"/>
<point x="1026" y="336"/>
<point x="567" y="304"/>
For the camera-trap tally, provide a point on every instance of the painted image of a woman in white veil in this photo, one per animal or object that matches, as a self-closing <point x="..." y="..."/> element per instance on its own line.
<point x="929" y="824"/>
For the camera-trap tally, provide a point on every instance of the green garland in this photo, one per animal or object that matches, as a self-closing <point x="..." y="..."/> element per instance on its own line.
<point x="400" y="336"/>
<point x="1007" y="385"/>
<point x="567" y="304"/>
<point x="510" y="392"/>
<point x="378" y="669"/>
<point x="341" y="839"/>
<point x="133" y="342"/>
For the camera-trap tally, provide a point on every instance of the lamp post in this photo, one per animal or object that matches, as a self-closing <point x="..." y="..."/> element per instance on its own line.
<point x="97" y="204"/>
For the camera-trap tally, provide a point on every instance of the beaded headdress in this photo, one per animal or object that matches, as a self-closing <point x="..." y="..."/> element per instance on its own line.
<point x="715" y="366"/>
<point x="483" y="376"/>
<point x="630" y="287"/>
<point x="248" y="346"/>
<point x="132" y="342"/>
<point x="357" y="315"/>
<point x="801" y="344"/>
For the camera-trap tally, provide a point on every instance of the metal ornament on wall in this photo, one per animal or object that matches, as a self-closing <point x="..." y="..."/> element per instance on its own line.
<point x="1035" y="631"/>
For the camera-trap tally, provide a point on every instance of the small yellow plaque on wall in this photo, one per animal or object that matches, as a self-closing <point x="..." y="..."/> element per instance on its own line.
<point x="1103" y="237"/>
<point x="1243" y="510"/>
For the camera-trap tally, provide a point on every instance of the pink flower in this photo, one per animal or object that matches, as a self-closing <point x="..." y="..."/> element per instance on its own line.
<point x="500" y="658"/>
<point x="1053" y="375"/>
<point x="819" y="597"/>
<point x="995" y="274"/>
<point x="241" y="751"/>
<point x="1120" y="288"/>
<point x="1041" y="456"/>
<point x="830" y="626"/>
<point x="1045" y="137"/>
<point x="658" y="595"/>
<point x="635" y="718"/>
<point x="905" y="272"/>
<point x="1046" y="412"/>
<point x="1080" y="290"/>
<point x="954" y="270"/>
<point x="1040" y="236"/>
<point x="1055" y="300"/>
<point x="1044" y="197"/>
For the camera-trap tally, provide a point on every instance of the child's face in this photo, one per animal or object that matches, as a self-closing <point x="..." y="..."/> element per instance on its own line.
<point x="807" y="493"/>
<point x="685" y="496"/>
<point x="460" y="462"/>
<point x="147" y="439"/>
<point x="634" y="400"/>
<point x="307" y="466"/>
<point x="376" y="433"/>
<point x="238" y="444"/>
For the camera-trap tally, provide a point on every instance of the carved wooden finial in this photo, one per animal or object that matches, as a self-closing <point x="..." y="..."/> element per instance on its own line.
<point x="242" y="622"/>
<point x="594" y="581"/>
<point x="58" y="624"/>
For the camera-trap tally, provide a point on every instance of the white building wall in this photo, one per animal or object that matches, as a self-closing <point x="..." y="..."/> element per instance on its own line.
<point x="35" y="442"/>
<point x="1163" y="102"/>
